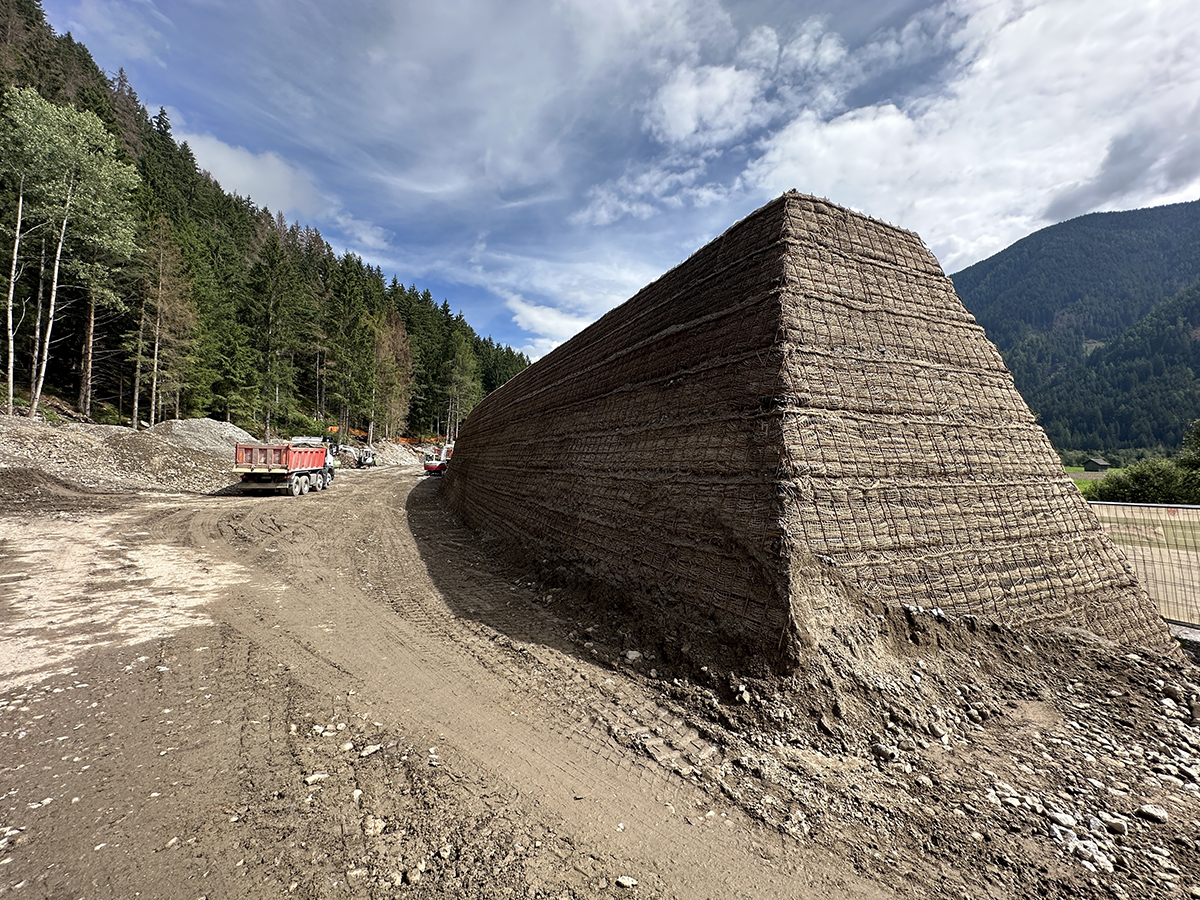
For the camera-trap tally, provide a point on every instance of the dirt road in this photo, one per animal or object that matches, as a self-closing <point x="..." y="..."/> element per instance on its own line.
<point x="228" y="696"/>
<point x="344" y="695"/>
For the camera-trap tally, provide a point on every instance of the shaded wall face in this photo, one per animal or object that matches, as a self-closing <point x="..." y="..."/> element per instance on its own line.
<point x="643" y="453"/>
<point x="913" y="467"/>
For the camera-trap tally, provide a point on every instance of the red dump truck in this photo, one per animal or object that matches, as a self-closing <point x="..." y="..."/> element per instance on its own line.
<point x="292" y="468"/>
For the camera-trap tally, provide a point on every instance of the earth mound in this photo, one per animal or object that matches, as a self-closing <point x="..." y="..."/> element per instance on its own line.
<point x="204" y="435"/>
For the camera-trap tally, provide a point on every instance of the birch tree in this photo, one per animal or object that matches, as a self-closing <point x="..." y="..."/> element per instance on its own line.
<point x="71" y="183"/>
<point x="26" y="161"/>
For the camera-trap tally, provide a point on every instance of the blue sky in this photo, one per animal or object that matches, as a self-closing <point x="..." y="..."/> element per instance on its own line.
<point x="535" y="163"/>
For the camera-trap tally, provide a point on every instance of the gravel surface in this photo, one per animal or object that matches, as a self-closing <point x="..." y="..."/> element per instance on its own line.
<point x="347" y="695"/>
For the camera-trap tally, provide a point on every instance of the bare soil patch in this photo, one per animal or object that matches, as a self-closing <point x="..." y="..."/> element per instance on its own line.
<point x="347" y="695"/>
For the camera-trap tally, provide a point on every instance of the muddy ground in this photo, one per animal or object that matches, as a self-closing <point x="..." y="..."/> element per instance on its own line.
<point x="347" y="695"/>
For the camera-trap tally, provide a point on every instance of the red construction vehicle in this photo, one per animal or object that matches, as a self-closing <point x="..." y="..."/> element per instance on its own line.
<point x="293" y="468"/>
<point x="436" y="463"/>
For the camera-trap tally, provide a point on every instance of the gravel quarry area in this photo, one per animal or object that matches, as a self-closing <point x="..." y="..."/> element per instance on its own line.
<point x="348" y="694"/>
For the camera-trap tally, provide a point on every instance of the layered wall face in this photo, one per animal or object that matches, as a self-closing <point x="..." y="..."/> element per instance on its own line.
<point x="913" y="468"/>
<point x="800" y="417"/>
<point x="640" y="453"/>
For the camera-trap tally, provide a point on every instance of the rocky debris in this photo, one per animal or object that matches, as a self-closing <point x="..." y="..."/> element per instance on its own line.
<point x="1152" y="813"/>
<point x="105" y="458"/>
<point x="203" y="435"/>
<point x="976" y="740"/>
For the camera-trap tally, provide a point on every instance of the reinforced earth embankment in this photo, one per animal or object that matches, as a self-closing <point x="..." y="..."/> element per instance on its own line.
<point x="799" y="421"/>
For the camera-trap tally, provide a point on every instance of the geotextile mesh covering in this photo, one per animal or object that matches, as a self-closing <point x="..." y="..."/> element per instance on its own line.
<point x="800" y="418"/>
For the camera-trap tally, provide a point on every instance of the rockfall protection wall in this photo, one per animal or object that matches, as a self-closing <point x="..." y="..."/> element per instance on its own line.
<point x="799" y="418"/>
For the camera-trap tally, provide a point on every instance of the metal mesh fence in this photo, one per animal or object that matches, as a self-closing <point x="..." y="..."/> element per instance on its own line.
<point x="1162" y="543"/>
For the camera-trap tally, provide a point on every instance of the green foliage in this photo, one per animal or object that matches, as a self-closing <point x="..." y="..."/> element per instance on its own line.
<point x="1150" y="481"/>
<point x="71" y="183"/>
<point x="1091" y="277"/>
<point x="258" y="322"/>
<point x="453" y="368"/>
<point x="1190" y="459"/>
<point x="1139" y="390"/>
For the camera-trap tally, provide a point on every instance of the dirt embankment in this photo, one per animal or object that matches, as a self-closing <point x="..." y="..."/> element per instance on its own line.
<point x="346" y="695"/>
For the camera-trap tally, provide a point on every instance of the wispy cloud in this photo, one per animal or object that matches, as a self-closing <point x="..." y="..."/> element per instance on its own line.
<point x="133" y="30"/>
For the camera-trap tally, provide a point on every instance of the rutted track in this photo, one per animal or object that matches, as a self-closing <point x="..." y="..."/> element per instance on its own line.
<point x="340" y="574"/>
<point x="328" y="610"/>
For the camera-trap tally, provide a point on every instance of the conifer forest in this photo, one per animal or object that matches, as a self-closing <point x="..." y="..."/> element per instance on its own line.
<point x="137" y="289"/>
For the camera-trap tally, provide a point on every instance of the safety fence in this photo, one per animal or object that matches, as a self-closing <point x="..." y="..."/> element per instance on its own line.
<point x="1162" y="543"/>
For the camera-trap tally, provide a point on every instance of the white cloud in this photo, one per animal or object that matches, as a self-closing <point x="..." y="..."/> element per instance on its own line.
<point x="1066" y="106"/>
<point x="134" y="30"/>
<point x="545" y="321"/>
<point x="265" y="177"/>
<point x="638" y="192"/>
<point x="760" y="49"/>
<point x="707" y="106"/>
<point x="365" y="235"/>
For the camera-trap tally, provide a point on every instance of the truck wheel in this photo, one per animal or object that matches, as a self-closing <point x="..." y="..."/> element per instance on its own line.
<point x="304" y="484"/>
<point x="318" y="482"/>
<point x="294" y="487"/>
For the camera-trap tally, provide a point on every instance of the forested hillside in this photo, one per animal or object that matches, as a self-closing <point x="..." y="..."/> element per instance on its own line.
<point x="1060" y="305"/>
<point x="136" y="288"/>
<point x="1139" y="390"/>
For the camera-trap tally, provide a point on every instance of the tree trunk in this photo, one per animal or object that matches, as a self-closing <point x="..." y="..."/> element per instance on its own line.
<point x="62" y="237"/>
<point x="37" y="325"/>
<point x="85" y="375"/>
<point x="371" y="421"/>
<point x="154" y="367"/>
<point x="12" y="284"/>
<point x="137" y="367"/>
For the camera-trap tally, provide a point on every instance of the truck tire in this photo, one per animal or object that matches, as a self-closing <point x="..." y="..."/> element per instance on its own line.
<point x="318" y="482"/>
<point x="294" y="487"/>
<point x="304" y="484"/>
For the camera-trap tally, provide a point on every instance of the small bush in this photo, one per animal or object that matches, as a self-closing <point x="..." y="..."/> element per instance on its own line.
<point x="1150" y="481"/>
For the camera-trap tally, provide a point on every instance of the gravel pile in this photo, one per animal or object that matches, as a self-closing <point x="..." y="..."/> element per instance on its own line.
<point x="402" y="455"/>
<point x="112" y="458"/>
<point x="205" y="435"/>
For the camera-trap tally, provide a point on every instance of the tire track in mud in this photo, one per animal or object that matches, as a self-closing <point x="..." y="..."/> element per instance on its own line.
<point x="342" y="580"/>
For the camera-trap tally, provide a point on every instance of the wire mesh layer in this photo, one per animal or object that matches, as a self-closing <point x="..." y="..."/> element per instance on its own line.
<point x="802" y="408"/>
<point x="1162" y="543"/>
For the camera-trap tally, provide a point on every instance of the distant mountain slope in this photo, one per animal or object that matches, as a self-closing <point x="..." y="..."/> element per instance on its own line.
<point x="1140" y="390"/>
<point x="1093" y="276"/>
<point x="1054" y="297"/>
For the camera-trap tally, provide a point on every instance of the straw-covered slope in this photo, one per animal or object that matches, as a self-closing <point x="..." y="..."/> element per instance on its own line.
<point x="799" y="422"/>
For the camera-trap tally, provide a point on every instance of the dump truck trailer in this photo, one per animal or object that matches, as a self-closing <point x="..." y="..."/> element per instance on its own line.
<point x="291" y="468"/>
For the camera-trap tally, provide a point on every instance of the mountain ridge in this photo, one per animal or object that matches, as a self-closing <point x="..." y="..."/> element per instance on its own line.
<point x="1073" y="309"/>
